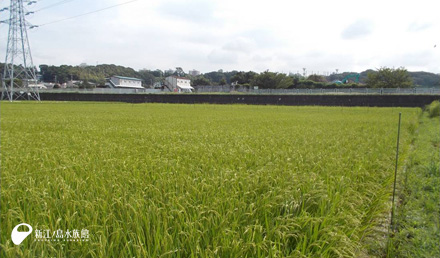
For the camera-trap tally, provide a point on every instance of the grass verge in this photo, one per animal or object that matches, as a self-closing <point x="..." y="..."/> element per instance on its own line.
<point x="418" y="212"/>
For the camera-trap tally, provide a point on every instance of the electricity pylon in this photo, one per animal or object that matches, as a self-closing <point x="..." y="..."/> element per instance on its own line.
<point x="19" y="79"/>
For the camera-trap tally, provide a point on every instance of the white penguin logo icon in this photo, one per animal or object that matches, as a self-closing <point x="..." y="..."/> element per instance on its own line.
<point x="17" y="236"/>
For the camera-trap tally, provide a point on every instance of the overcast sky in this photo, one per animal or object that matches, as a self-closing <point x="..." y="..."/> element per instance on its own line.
<point x="279" y="35"/>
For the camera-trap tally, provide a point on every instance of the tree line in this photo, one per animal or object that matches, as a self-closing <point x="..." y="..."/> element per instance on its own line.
<point x="380" y="78"/>
<point x="383" y="77"/>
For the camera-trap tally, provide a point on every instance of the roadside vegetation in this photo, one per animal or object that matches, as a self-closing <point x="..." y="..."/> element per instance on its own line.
<point x="418" y="215"/>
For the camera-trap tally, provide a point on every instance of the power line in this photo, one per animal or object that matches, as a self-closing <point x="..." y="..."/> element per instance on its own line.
<point x="53" y="5"/>
<point x="84" y="14"/>
<point x="44" y="8"/>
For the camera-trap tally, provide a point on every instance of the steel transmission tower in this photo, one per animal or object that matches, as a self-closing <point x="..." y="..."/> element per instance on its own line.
<point x="19" y="79"/>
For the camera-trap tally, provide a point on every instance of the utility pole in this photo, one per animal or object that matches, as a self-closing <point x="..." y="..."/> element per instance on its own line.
<point x="19" y="80"/>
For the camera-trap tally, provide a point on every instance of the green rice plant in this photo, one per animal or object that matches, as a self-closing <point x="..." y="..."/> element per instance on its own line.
<point x="158" y="180"/>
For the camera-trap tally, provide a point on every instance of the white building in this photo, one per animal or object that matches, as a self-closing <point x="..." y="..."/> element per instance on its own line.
<point x="124" y="82"/>
<point x="178" y="84"/>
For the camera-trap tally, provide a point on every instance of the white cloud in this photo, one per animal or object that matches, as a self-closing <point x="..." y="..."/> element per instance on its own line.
<point x="195" y="11"/>
<point x="279" y="35"/>
<point x="240" y="44"/>
<point x="357" y="30"/>
<point x="223" y="57"/>
<point x="419" y="26"/>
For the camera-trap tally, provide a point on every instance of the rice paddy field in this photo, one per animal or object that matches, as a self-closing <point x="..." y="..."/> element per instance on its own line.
<point x="158" y="180"/>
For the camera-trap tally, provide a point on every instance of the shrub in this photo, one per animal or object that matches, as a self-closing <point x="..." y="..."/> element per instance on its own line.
<point x="319" y="84"/>
<point x="433" y="109"/>
<point x="332" y="86"/>
<point x="316" y="78"/>
<point x="306" y="84"/>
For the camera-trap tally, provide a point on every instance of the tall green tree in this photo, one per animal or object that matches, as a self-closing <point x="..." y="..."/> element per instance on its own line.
<point x="215" y="76"/>
<point x="270" y="80"/>
<point x="222" y="82"/>
<point x="389" y="78"/>
<point x="200" y="81"/>
<point x="243" y="77"/>
<point x="316" y="78"/>
<point x="147" y="76"/>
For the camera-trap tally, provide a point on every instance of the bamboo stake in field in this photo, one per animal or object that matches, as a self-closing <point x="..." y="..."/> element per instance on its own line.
<point x="395" y="171"/>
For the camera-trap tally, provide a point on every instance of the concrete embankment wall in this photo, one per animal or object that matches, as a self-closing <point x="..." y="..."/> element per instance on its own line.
<point x="289" y="100"/>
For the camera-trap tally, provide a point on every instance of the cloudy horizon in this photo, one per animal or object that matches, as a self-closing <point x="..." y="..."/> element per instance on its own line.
<point x="280" y="36"/>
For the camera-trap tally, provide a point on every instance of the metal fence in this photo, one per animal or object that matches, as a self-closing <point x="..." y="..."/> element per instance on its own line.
<point x="213" y="89"/>
<point x="228" y="89"/>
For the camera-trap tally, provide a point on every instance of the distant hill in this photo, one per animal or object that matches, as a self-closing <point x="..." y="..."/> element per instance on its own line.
<point x="425" y="79"/>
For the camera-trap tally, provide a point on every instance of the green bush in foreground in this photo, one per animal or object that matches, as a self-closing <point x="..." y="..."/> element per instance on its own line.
<point x="433" y="109"/>
<point x="151" y="180"/>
